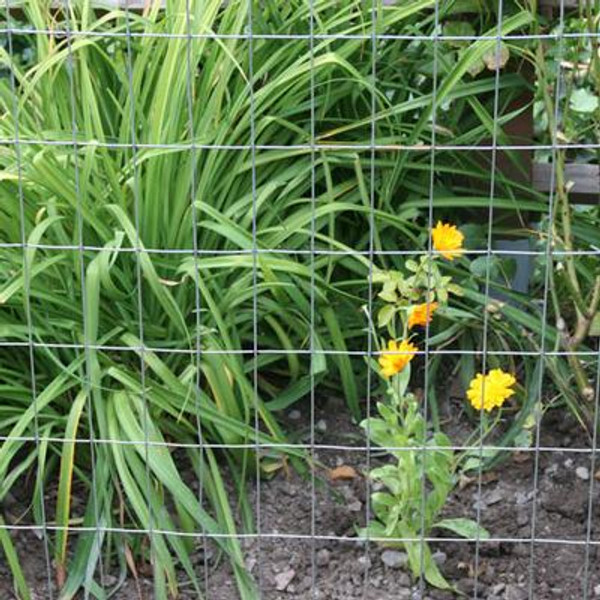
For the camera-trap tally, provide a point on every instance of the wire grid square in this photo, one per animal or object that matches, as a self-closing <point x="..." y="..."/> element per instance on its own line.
<point x="61" y="150"/>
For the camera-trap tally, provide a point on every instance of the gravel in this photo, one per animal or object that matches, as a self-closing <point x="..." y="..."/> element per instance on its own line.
<point x="282" y="580"/>
<point x="323" y="557"/>
<point x="394" y="559"/>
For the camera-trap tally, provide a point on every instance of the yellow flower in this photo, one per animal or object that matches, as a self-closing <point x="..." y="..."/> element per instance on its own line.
<point x="447" y="240"/>
<point x="398" y="355"/>
<point x="491" y="390"/>
<point x="421" y="314"/>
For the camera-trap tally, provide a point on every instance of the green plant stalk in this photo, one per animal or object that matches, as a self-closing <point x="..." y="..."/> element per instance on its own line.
<point x="584" y="315"/>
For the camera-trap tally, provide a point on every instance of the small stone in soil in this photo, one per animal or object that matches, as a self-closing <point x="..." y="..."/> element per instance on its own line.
<point x="515" y="592"/>
<point x="469" y="586"/>
<point x="321" y="426"/>
<point x="323" y="557"/>
<point x="597" y="591"/>
<point x="479" y="505"/>
<point x="355" y="506"/>
<point x="498" y="589"/>
<point x="305" y="584"/>
<point x="523" y="497"/>
<point x="441" y="595"/>
<point x="439" y="557"/>
<point x="283" y="579"/>
<point x="294" y="415"/>
<point x="394" y="559"/>
<point x="582" y="473"/>
<point x="364" y="562"/>
<point x="521" y="550"/>
<point x="522" y="518"/>
<point x="494" y="497"/>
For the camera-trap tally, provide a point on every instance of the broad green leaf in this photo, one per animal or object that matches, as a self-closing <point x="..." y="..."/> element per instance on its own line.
<point x="583" y="100"/>
<point x="465" y="528"/>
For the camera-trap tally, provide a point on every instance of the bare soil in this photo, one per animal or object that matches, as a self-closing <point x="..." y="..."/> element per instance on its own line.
<point x="289" y="565"/>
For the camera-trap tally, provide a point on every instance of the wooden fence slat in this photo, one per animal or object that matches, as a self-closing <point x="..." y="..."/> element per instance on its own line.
<point x="585" y="181"/>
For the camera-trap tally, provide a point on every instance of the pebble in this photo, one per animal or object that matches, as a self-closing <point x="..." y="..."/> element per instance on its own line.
<point x="494" y="497"/>
<point x="321" y="426"/>
<point x="294" y="415"/>
<point x="469" y="586"/>
<point x="582" y="473"/>
<point x="515" y="592"/>
<point x="287" y="488"/>
<point x="364" y="562"/>
<point x="440" y="595"/>
<point x="355" y="506"/>
<point x="522" y="518"/>
<point x="524" y="497"/>
<point x="305" y="584"/>
<point x="597" y="591"/>
<point x="568" y="463"/>
<point x="394" y="559"/>
<point x="323" y="557"/>
<point x="439" y="557"/>
<point x="283" y="579"/>
<point x="498" y="589"/>
<point x="522" y="550"/>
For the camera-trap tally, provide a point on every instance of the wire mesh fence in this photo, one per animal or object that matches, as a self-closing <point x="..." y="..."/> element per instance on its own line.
<point x="283" y="314"/>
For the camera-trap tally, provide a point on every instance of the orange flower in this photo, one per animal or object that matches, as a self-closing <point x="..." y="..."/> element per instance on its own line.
<point x="447" y="240"/>
<point x="421" y="314"/>
<point x="398" y="355"/>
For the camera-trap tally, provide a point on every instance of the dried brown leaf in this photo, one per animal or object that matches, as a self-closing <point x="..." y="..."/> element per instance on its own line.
<point x="343" y="472"/>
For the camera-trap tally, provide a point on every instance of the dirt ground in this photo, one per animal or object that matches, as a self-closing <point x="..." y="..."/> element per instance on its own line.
<point x="295" y="567"/>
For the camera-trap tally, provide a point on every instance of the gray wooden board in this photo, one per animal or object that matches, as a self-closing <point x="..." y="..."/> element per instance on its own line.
<point x="585" y="179"/>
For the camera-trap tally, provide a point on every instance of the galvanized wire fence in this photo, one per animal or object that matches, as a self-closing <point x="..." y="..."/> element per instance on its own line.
<point x="74" y="148"/>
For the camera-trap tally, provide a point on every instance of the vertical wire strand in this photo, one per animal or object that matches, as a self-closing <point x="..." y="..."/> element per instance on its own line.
<point x="80" y="240"/>
<point x="139" y="279"/>
<point x="27" y="300"/>
<point x="197" y="300"/>
<point x="371" y="254"/>
<point x="432" y="159"/>
<point x="255" y="290"/>
<point x="313" y="504"/>
<point x="549" y="265"/>
<point x="486" y="314"/>
<point x="590" y="511"/>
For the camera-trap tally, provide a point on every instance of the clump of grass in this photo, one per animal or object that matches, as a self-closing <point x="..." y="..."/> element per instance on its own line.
<point x="154" y="220"/>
